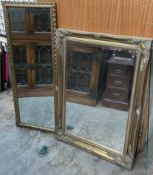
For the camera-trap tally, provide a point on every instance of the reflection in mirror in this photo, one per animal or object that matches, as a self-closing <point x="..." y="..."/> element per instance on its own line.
<point x="17" y="18"/>
<point x="20" y="65"/>
<point x="32" y="59"/>
<point x="37" y="111"/>
<point x="98" y="91"/>
<point x="35" y="86"/>
<point x="41" y="19"/>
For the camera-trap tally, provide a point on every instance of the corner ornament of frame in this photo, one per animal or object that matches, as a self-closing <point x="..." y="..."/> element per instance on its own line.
<point x="143" y="62"/>
<point x="59" y="38"/>
<point x="138" y="111"/>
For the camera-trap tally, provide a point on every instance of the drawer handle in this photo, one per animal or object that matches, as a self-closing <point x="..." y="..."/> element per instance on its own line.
<point x="119" y="71"/>
<point x="116" y="94"/>
<point x="117" y="82"/>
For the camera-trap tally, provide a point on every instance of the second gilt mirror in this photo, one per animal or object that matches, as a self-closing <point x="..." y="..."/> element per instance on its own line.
<point x="30" y="30"/>
<point x="101" y="92"/>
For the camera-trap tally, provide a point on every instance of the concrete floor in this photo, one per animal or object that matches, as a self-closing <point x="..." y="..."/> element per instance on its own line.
<point x="92" y="123"/>
<point x="19" y="152"/>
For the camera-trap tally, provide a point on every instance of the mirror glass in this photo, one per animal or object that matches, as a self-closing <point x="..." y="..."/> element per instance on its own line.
<point x="17" y="17"/>
<point x="41" y="20"/>
<point x="33" y="65"/>
<point x="98" y="91"/>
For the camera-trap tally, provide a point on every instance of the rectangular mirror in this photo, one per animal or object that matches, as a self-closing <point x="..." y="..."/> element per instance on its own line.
<point x="99" y="85"/>
<point x="101" y="81"/>
<point x="30" y="30"/>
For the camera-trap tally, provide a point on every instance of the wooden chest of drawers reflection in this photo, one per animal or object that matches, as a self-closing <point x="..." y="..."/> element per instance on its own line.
<point x="118" y="85"/>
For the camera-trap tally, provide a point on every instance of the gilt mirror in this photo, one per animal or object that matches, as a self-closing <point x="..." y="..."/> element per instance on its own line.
<point x="101" y="81"/>
<point x="30" y="30"/>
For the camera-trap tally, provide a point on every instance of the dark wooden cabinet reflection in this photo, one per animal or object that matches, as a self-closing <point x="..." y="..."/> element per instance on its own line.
<point x="118" y="86"/>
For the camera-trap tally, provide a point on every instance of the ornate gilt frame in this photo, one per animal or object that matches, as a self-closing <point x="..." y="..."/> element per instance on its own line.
<point x="52" y="7"/>
<point x="142" y="48"/>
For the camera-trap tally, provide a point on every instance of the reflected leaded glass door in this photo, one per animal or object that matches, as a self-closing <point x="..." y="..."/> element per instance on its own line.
<point x="31" y="40"/>
<point x="83" y="65"/>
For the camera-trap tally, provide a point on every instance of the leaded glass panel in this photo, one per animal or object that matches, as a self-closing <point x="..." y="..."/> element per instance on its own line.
<point x="79" y="66"/>
<point x="17" y="19"/>
<point x="21" y="75"/>
<point x="19" y="53"/>
<point x="43" y="61"/>
<point x="41" y="19"/>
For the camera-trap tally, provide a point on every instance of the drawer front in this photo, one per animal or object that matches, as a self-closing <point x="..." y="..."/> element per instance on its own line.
<point x="118" y="82"/>
<point x="116" y="94"/>
<point x="120" y="70"/>
<point x="115" y="104"/>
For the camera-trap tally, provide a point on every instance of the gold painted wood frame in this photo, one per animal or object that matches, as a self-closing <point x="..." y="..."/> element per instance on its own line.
<point x="50" y="42"/>
<point x="142" y="48"/>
